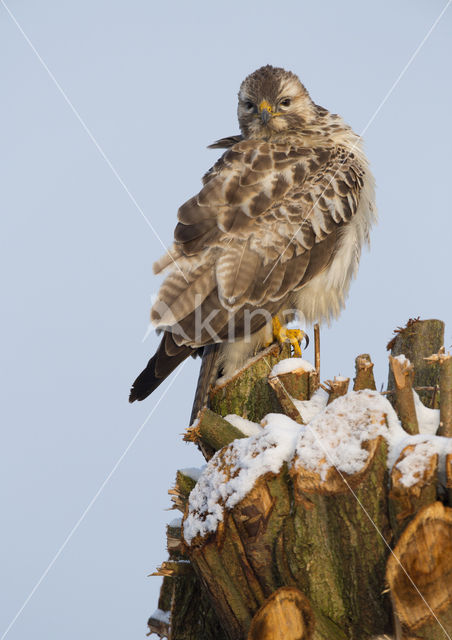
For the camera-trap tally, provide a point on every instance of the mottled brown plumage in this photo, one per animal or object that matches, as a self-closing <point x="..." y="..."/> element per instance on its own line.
<point x="279" y="223"/>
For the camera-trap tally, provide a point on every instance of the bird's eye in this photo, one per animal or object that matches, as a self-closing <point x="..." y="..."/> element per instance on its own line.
<point x="249" y="105"/>
<point x="285" y="102"/>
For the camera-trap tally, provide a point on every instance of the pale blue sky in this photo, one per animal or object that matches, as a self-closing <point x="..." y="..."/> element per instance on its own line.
<point x="156" y="83"/>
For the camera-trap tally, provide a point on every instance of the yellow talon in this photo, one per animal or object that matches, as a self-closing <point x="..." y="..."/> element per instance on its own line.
<point x="281" y="334"/>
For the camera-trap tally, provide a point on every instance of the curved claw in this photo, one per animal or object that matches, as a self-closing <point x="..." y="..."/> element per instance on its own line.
<point x="295" y="336"/>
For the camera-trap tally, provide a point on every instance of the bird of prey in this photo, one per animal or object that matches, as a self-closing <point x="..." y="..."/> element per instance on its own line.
<point x="278" y="225"/>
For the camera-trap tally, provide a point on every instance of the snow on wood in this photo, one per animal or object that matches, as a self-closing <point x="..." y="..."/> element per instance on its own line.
<point x="333" y="436"/>
<point x="291" y="364"/>
<point x="247" y="427"/>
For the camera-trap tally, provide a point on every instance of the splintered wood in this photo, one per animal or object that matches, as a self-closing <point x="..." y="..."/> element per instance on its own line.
<point x="403" y="372"/>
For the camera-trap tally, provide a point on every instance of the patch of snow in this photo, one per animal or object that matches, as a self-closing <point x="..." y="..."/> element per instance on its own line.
<point x="162" y="616"/>
<point x="402" y="359"/>
<point x="175" y="522"/>
<point x="247" y="427"/>
<point x="340" y="378"/>
<point x="290" y="364"/>
<point x="308" y="409"/>
<point x="332" y="436"/>
<point x="415" y="462"/>
<point x="232" y="472"/>
<point x="428" y="419"/>
<point x="193" y="472"/>
<point x="335" y="436"/>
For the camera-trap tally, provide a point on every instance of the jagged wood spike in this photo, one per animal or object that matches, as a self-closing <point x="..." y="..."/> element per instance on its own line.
<point x="317" y="349"/>
<point x="417" y="340"/>
<point x="403" y="372"/>
<point x="336" y="388"/>
<point x="181" y="490"/>
<point x="364" y="376"/>
<point x="285" y="399"/>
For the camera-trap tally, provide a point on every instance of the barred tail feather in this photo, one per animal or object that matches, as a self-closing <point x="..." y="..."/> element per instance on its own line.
<point x="167" y="357"/>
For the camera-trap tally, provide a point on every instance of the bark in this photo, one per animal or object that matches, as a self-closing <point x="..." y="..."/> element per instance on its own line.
<point x="444" y="360"/>
<point x="299" y="384"/>
<point x="419" y="575"/>
<point x="211" y="432"/>
<point x="403" y="372"/>
<point x="236" y="563"/>
<point x="183" y="595"/>
<point x="418" y="340"/>
<point x="364" y="377"/>
<point x="405" y="502"/>
<point x="273" y="536"/>
<point x="284" y="399"/>
<point x="329" y="523"/>
<point x="445" y="390"/>
<point x="336" y="387"/>
<point x="247" y="393"/>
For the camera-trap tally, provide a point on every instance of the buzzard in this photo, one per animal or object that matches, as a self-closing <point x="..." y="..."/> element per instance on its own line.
<point x="277" y="228"/>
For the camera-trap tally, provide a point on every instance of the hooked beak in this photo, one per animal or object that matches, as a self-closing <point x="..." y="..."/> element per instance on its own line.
<point x="265" y="111"/>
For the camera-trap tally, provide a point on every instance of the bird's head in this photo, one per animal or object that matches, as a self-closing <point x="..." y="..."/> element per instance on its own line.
<point x="272" y="100"/>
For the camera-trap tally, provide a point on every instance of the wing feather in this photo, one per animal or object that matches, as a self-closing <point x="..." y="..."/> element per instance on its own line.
<point x="267" y="220"/>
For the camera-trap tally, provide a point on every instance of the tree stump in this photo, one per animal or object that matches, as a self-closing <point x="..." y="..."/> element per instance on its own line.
<point x="310" y="521"/>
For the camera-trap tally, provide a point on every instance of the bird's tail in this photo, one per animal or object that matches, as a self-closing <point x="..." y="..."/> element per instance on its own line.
<point x="167" y="357"/>
<point x="207" y="376"/>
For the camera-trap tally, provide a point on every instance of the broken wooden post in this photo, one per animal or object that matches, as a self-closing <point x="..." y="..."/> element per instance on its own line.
<point x="444" y="360"/>
<point x="403" y="372"/>
<point x="336" y="388"/>
<point x="364" y="376"/>
<point x="417" y="340"/>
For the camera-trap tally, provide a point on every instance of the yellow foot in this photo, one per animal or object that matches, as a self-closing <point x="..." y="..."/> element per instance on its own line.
<point x="282" y="334"/>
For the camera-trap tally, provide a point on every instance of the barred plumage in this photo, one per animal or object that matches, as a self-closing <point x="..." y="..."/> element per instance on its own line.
<point x="279" y="223"/>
